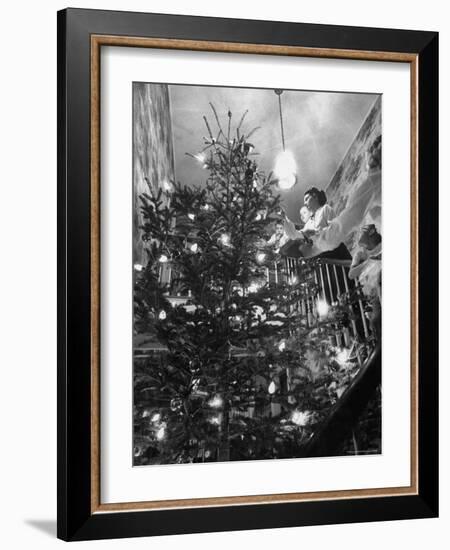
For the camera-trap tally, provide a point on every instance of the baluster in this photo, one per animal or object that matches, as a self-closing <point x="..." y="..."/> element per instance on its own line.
<point x="308" y="307"/>
<point x="329" y="284"/>
<point x="336" y="278"/>
<point x="363" y="317"/>
<point x="355" y="331"/>
<point x="276" y="273"/>
<point x="323" y="282"/>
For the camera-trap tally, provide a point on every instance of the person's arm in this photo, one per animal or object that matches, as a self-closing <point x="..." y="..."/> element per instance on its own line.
<point x="326" y="215"/>
<point x="357" y="265"/>
<point x="290" y="231"/>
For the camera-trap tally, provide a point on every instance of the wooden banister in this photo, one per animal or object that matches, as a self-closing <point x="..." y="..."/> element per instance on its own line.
<point x="344" y="415"/>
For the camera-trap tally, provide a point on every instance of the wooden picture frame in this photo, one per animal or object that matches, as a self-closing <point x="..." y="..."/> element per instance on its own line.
<point x="81" y="35"/>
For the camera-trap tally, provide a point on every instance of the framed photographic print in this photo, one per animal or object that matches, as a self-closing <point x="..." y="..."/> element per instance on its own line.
<point x="248" y="299"/>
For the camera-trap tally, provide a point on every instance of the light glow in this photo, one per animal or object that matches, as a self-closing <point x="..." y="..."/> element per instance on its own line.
<point x="285" y="170"/>
<point x="322" y="308"/>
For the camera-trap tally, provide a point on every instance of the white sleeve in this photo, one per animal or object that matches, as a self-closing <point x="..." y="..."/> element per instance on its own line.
<point x="351" y="217"/>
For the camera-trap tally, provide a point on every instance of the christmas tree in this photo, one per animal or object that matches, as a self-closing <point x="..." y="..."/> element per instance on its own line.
<point x="247" y="367"/>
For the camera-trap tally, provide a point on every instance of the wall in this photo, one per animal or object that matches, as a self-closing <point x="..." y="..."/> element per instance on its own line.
<point x="152" y="149"/>
<point x="352" y="167"/>
<point x="28" y="276"/>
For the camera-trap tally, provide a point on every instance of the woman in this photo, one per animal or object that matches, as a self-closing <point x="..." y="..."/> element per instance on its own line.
<point x="315" y="215"/>
<point x="320" y="211"/>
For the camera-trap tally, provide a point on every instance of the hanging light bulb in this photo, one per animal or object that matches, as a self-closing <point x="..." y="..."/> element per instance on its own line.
<point x="253" y="288"/>
<point x="342" y="356"/>
<point x="300" y="418"/>
<point x="322" y="308"/>
<point x="167" y="186"/>
<point x="272" y="388"/>
<point x="156" y="417"/>
<point x="215" y="402"/>
<point x="194" y="248"/>
<point x="162" y="315"/>
<point x="225" y="239"/>
<point x="161" y="433"/>
<point x="285" y="169"/>
<point x="260" y="257"/>
<point x="163" y="259"/>
<point x="138" y="267"/>
<point x="200" y="157"/>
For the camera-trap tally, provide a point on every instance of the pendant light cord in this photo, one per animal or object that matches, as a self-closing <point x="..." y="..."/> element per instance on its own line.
<point x="281" y="122"/>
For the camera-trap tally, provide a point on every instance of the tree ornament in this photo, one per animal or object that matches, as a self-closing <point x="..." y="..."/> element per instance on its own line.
<point x="138" y="450"/>
<point x="194" y="248"/>
<point x="163" y="259"/>
<point x="138" y="267"/>
<point x="248" y="147"/>
<point x="176" y="403"/>
<point x="272" y="388"/>
<point x="249" y="174"/>
<point x="162" y="315"/>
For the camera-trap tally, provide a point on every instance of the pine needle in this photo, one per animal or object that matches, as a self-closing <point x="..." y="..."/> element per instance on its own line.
<point x="217" y="118"/>
<point x="253" y="131"/>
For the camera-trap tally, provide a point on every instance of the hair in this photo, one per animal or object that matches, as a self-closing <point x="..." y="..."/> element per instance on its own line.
<point x="372" y="233"/>
<point x="374" y="152"/>
<point x="318" y="193"/>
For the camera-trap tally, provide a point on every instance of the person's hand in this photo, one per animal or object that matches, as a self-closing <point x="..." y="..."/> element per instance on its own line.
<point x="308" y="233"/>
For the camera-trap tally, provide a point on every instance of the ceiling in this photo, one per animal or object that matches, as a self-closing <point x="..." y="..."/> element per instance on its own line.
<point x="319" y="127"/>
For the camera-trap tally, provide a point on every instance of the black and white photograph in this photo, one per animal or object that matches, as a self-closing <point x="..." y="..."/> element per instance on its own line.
<point x="257" y="261"/>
